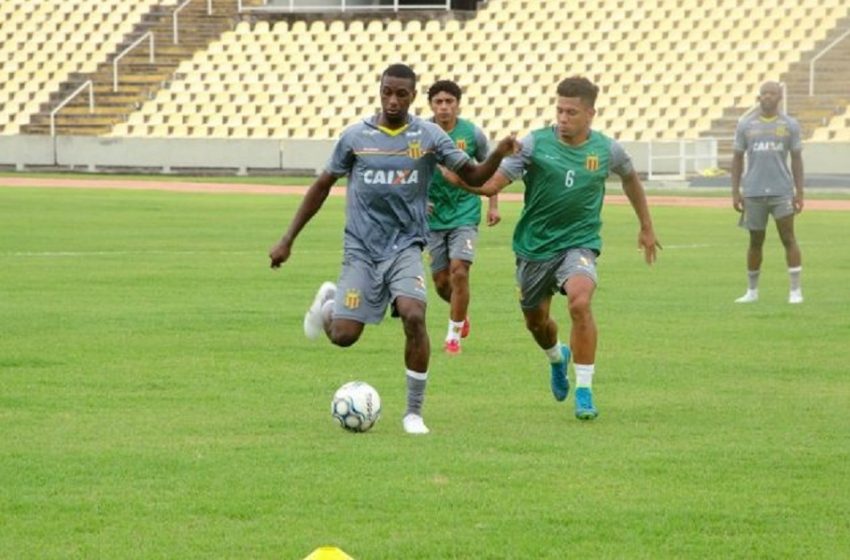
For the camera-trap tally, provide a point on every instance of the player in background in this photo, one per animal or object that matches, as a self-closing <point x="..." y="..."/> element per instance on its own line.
<point x="767" y="137"/>
<point x="389" y="158"/>
<point x="454" y="214"/>
<point x="557" y="238"/>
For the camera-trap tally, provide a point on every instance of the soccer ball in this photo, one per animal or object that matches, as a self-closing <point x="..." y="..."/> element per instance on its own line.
<point x="356" y="406"/>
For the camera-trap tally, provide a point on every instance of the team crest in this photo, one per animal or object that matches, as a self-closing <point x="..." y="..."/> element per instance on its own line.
<point x="781" y="130"/>
<point x="592" y="162"/>
<point x="414" y="149"/>
<point x="461" y="144"/>
<point x="352" y="298"/>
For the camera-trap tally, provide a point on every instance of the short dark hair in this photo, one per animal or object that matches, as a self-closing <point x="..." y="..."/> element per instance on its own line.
<point x="581" y="87"/>
<point x="447" y="86"/>
<point x="400" y="71"/>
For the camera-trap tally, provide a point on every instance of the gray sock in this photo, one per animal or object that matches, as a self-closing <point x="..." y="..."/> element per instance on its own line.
<point x="753" y="279"/>
<point x="416" y="383"/>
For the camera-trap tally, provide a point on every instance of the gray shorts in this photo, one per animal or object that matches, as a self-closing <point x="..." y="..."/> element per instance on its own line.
<point x="365" y="288"/>
<point x="538" y="280"/>
<point x="757" y="209"/>
<point x="451" y="244"/>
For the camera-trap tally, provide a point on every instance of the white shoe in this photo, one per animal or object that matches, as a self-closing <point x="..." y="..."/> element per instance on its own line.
<point x="749" y="297"/>
<point x="313" y="324"/>
<point x="414" y="424"/>
<point x="795" y="296"/>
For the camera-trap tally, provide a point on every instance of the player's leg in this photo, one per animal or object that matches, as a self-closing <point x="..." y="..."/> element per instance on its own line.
<point x="754" y="220"/>
<point x="577" y="278"/>
<point x="405" y="282"/>
<point x="438" y="253"/>
<point x="537" y="283"/>
<point x="793" y="257"/>
<point x="357" y="300"/>
<point x="461" y="245"/>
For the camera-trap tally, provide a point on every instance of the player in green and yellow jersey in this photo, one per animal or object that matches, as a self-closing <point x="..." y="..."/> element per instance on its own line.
<point x="454" y="214"/>
<point x="557" y="239"/>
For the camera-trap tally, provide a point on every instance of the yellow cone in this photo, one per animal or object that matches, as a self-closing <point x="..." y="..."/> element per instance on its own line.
<point x="328" y="553"/>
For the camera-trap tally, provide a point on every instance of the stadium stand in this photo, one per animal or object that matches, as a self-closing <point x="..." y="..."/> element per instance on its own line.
<point x="667" y="70"/>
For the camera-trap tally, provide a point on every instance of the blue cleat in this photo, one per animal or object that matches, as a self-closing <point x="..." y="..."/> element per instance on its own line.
<point x="560" y="383"/>
<point x="584" y="404"/>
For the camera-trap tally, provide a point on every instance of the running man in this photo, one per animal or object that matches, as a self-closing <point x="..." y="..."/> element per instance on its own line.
<point x="767" y="137"/>
<point x="557" y="238"/>
<point x="454" y="214"/>
<point x="389" y="158"/>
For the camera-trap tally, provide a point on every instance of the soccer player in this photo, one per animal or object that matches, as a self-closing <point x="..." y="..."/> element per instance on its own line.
<point x="557" y="238"/>
<point x="389" y="158"/>
<point x="767" y="137"/>
<point x="454" y="214"/>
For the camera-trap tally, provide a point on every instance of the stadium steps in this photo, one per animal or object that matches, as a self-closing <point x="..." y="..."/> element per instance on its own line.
<point x="138" y="79"/>
<point x="832" y="95"/>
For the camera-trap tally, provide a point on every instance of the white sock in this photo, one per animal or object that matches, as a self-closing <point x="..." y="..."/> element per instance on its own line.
<point x="554" y="353"/>
<point x="794" y="275"/>
<point x="584" y="375"/>
<point x="454" y="330"/>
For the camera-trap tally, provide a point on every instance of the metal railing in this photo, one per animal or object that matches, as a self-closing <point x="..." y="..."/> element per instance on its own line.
<point x="148" y="35"/>
<point x="343" y="6"/>
<point x="176" y="33"/>
<point x="687" y="155"/>
<point x="820" y="54"/>
<point x="87" y="83"/>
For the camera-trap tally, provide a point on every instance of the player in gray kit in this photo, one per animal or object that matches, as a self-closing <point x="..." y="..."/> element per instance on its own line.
<point x="767" y="137"/>
<point x="389" y="159"/>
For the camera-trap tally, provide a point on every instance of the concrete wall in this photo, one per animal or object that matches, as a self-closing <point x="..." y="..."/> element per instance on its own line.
<point x="305" y="156"/>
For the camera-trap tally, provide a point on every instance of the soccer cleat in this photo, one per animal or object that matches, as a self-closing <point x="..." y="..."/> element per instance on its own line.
<point x="313" y="324"/>
<point x="414" y="424"/>
<point x="559" y="382"/>
<point x="795" y="296"/>
<point x="584" y="404"/>
<point x="464" y="331"/>
<point x="452" y="347"/>
<point x="749" y="297"/>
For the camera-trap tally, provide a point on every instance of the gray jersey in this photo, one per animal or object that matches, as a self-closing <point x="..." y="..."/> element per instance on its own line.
<point x="767" y="143"/>
<point x="388" y="178"/>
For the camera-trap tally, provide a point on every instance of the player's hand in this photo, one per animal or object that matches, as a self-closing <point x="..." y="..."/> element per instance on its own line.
<point x="493" y="217"/>
<point x="280" y="252"/>
<point x="737" y="202"/>
<point x="648" y="244"/>
<point x="508" y="145"/>
<point x="798" y="204"/>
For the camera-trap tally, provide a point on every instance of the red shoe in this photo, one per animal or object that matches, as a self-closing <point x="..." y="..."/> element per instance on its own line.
<point x="464" y="331"/>
<point x="452" y="347"/>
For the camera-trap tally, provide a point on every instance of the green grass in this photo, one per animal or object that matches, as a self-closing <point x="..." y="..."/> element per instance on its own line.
<point x="158" y="399"/>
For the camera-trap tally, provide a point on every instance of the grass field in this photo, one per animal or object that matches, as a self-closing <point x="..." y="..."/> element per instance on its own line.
<point x="158" y="398"/>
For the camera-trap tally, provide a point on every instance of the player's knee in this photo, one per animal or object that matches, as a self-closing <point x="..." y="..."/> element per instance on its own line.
<point x="414" y="322"/>
<point x="343" y="337"/>
<point x="579" y="306"/>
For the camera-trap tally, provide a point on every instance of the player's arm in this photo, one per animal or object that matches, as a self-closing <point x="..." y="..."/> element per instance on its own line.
<point x="475" y="175"/>
<point x="737" y="172"/>
<point x="797" y="173"/>
<point x="493" y="216"/>
<point x="310" y="204"/>
<point x="637" y="197"/>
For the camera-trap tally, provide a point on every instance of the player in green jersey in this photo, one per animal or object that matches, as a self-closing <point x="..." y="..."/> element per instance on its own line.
<point x="454" y="214"/>
<point x="557" y="239"/>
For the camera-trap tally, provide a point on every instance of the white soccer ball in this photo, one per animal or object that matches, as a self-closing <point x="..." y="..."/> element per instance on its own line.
<point x="356" y="406"/>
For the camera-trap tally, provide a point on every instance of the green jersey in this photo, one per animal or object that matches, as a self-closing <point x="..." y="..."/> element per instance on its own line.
<point x="564" y="190"/>
<point x="451" y="206"/>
